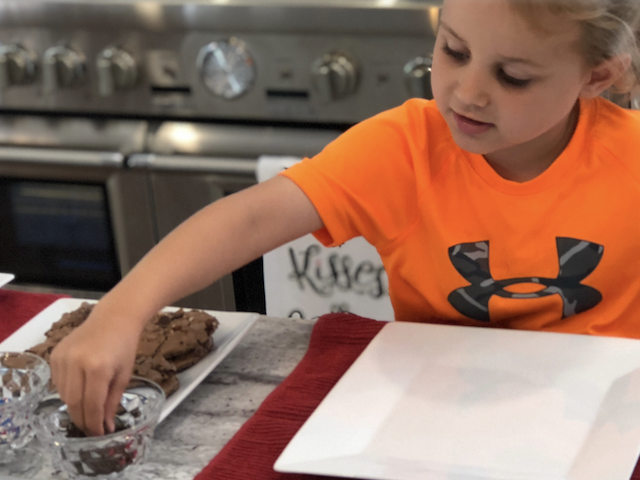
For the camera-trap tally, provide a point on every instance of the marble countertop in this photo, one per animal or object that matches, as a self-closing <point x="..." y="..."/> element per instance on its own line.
<point x="205" y="421"/>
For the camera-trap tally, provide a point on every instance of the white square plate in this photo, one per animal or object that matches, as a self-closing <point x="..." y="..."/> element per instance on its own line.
<point x="6" y="278"/>
<point x="233" y="326"/>
<point x="434" y="402"/>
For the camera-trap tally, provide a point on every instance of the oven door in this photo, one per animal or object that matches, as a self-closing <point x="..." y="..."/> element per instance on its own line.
<point x="182" y="185"/>
<point x="71" y="221"/>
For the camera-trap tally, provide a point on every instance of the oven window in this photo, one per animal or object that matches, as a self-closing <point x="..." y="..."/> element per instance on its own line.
<point x="57" y="234"/>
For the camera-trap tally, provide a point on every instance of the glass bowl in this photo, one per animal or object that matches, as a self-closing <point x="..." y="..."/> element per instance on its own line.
<point x="110" y="456"/>
<point x="24" y="379"/>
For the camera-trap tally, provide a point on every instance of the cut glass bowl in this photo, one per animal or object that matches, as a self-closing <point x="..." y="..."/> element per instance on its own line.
<point x="110" y="456"/>
<point x="24" y="379"/>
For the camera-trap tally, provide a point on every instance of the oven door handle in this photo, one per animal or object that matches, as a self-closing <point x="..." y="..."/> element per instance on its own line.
<point x="185" y="163"/>
<point x="82" y="158"/>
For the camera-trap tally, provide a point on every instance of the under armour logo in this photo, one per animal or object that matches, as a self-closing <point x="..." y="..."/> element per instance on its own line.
<point x="577" y="259"/>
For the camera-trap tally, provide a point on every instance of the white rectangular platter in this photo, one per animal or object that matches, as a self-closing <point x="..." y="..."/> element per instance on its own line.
<point x="434" y="402"/>
<point x="233" y="326"/>
<point x="6" y="278"/>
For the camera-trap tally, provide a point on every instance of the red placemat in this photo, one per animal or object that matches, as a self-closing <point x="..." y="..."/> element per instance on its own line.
<point x="336" y="341"/>
<point x="16" y="308"/>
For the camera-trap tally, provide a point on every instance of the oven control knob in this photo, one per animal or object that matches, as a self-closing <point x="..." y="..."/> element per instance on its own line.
<point x="17" y="66"/>
<point x="62" y="67"/>
<point x="117" y="70"/>
<point x="227" y="68"/>
<point x="418" y="77"/>
<point x="335" y="76"/>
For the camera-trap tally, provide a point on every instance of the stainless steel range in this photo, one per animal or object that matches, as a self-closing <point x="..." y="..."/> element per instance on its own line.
<point x="119" y="119"/>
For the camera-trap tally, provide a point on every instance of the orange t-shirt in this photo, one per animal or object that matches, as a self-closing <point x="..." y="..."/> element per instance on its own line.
<point x="462" y="245"/>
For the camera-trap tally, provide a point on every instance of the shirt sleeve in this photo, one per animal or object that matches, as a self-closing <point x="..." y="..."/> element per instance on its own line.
<point x="363" y="183"/>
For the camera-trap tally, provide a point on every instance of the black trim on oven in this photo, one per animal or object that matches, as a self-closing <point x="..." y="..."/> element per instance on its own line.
<point x="248" y="286"/>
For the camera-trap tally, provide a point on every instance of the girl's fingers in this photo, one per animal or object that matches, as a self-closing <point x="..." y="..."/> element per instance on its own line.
<point x="96" y="390"/>
<point x="57" y="373"/>
<point x="60" y="375"/>
<point x="72" y="394"/>
<point x="116" y="389"/>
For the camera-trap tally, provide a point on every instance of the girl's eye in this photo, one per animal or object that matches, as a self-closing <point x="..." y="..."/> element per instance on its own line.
<point x="505" y="78"/>
<point x="512" y="81"/>
<point x="456" y="55"/>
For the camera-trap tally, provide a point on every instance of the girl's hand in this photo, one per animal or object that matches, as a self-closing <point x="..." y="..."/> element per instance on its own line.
<point x="91" y="368"/>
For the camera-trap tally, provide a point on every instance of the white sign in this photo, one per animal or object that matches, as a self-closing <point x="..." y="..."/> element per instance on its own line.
<point x="305" y="279"/>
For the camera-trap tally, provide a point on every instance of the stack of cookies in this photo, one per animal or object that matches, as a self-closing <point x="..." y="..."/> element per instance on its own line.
<point x="170" y="343"/>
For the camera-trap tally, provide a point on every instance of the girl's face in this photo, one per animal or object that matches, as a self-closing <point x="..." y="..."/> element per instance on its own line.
<point x="505" y="89"/>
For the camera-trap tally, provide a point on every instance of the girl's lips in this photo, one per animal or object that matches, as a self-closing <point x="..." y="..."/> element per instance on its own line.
<point x="471" y="127"/>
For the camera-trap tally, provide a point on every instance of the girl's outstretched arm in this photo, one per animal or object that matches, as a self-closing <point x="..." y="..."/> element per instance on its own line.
<point x="92" y="366"/>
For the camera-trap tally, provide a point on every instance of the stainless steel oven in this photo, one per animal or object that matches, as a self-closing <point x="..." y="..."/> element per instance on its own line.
<point x="118" y="120"/>
<point x="72" y="218"/>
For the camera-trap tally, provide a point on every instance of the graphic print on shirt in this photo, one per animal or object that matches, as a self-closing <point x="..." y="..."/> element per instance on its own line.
<point x="577" y="259"/>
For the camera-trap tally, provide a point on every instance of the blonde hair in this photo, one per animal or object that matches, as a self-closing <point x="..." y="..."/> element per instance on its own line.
<point x="609" y="28"/>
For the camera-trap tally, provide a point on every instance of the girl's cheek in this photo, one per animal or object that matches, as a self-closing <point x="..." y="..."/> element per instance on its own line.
<point x="439" y="80"/>
<point x="435" y="85"/>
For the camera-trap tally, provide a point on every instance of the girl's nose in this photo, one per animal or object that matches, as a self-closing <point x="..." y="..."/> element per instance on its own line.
<point x="471" y="88"/>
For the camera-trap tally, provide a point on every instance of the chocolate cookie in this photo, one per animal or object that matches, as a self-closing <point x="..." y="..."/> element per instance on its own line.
<point x="188" y="338"/>
<point x="150" y="340"/>
<point x="170" y="342"/>
<point x="61" y="329"/>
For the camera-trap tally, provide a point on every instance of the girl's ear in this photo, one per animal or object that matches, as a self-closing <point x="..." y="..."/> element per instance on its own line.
<point x="605" y="75"/>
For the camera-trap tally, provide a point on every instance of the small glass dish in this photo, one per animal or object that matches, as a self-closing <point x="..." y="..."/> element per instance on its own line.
<point x="110" y="456"/>
<point x="24" y="379"/>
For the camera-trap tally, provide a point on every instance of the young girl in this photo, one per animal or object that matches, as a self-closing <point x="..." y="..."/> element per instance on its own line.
<point x="512" y="200"/>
